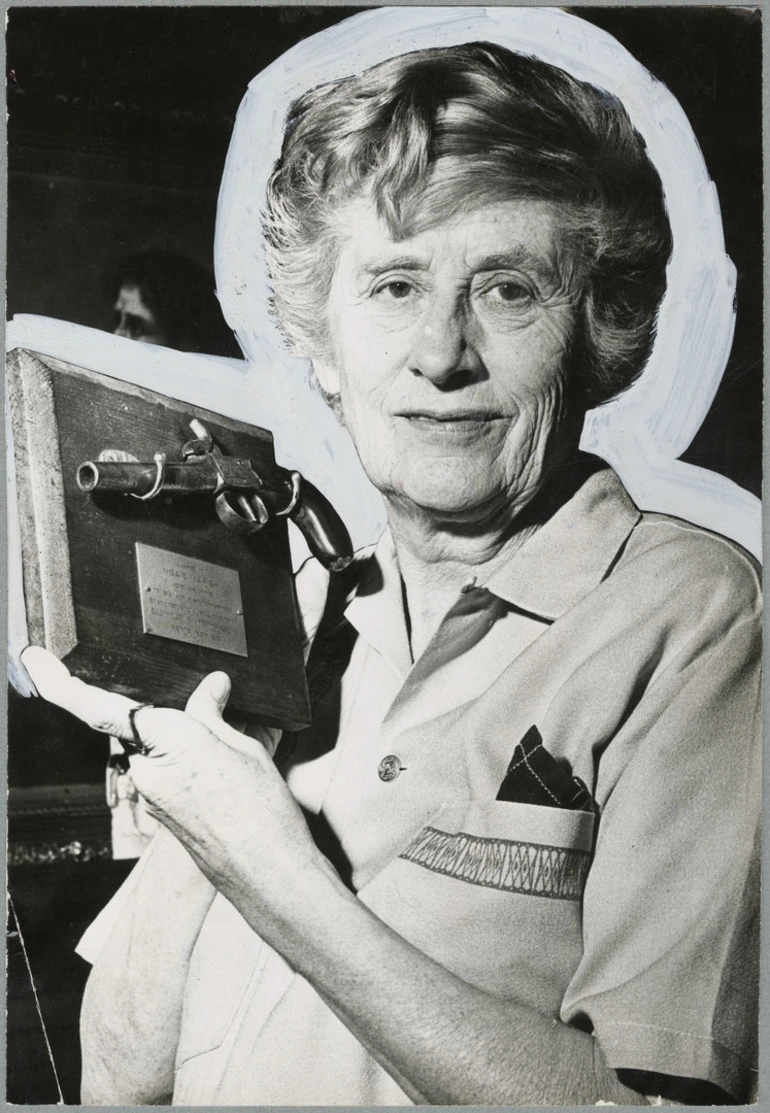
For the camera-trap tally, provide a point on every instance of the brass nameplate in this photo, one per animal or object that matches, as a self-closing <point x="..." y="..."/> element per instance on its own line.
<point x="190" y="600"/>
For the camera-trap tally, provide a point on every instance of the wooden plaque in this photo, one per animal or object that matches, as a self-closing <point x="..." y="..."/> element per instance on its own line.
<point x="146" y="597"/>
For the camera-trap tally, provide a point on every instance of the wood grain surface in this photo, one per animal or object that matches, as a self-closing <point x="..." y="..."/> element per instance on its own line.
<point x="79" y="549"/>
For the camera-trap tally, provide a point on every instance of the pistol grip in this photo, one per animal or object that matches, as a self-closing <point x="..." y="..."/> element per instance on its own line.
<point x="323" y="529"/>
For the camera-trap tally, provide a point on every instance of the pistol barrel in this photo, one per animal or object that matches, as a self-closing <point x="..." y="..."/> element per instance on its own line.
<point x="128" y="478"/>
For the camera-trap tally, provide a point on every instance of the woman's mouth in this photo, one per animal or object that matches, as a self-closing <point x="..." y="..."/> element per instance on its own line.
<point x="452" y="422"/>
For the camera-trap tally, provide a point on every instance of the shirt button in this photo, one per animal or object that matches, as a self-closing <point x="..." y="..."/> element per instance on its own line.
<point x="389" y="768"/>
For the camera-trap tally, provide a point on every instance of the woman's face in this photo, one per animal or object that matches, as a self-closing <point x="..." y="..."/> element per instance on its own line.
<point x="449" y="353"/>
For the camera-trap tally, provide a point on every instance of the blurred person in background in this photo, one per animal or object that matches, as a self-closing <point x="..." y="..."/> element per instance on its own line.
<point x="162" y="297"/>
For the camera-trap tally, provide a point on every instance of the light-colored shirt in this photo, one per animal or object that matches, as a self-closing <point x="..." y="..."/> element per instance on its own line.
<point x="631" y="641"/>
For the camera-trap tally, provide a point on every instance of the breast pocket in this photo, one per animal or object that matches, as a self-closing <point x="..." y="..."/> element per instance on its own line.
<point x="492" y="890"/>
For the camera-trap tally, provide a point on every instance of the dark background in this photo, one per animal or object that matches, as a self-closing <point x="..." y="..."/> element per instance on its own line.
<point x="120" y="120"/>
<point x="119" y="124"/>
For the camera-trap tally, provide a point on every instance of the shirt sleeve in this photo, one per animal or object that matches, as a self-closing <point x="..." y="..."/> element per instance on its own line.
<point x="669" y="975"/>
<point x="92" y="941"/>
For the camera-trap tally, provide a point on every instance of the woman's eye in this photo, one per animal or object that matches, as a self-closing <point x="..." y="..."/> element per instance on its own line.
<point x="511" y="293"/>
<point x="398" y="289"/>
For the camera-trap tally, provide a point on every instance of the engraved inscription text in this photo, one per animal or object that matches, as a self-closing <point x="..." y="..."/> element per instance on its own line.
<point x="190" y="600"/>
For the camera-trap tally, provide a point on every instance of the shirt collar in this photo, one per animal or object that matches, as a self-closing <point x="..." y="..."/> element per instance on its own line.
<point x="377" y="607"/>
<point x="572" y="552"/>
<point x="552" y="571"/>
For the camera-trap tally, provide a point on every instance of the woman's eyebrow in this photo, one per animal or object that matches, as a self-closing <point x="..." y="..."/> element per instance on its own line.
<point x="514" y="259"/>
<point x="400" y="262"/>
<point x="517" y="258"/>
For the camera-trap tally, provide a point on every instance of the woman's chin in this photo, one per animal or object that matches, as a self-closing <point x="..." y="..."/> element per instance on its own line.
<point x="450" y="502"/>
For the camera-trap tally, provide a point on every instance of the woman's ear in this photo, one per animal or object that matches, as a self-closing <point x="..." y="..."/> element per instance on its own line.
<point x="327" y="375"/>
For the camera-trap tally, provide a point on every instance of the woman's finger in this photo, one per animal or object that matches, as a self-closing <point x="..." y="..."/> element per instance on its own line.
<point x="49" y="675"/>
<point x="103" y="711"/>
<point x="156" y="730"/>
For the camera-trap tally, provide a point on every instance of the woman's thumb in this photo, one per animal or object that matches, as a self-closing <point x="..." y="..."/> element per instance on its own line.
<point x="209" y="699"/>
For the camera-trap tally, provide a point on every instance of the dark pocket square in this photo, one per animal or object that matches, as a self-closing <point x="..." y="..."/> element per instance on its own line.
<point x="535" y="777"/>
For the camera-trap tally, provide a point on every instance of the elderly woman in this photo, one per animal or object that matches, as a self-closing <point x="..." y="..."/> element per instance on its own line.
<point x="512" y="861"/>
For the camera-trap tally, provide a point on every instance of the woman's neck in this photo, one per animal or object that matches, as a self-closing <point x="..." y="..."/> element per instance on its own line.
<point x="438" y="557"/>
<point x="435" y="565"/>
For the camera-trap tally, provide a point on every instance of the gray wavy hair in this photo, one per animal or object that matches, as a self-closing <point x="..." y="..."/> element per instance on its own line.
<point x="429" y="134"/>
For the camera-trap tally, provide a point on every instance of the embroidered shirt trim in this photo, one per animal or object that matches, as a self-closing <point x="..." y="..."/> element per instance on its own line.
<point x="516" y="867"/>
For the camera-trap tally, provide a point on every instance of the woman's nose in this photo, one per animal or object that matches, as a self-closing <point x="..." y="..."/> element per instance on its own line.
<point x="442" y="350"/>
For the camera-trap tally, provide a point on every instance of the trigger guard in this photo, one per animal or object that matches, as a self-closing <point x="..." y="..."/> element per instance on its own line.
<point x="235" y="522"/>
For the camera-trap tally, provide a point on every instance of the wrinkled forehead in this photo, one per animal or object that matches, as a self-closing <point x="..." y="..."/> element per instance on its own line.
<point x="480" y="226"/>
<point x="475" y="234"/>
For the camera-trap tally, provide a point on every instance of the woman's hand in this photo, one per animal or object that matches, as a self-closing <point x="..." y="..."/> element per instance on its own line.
<point x="215" y="789"/>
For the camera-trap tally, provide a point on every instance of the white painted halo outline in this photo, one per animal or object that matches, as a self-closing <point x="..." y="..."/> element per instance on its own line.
<point x="640" y="433"/>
